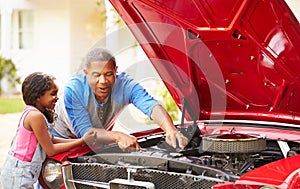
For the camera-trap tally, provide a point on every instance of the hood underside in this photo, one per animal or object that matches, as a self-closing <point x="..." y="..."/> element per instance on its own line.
<point x="233" y="59"/>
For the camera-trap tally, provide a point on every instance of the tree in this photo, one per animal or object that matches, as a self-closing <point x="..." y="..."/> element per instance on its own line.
<point x="8" y="71"/>
<point x="167" y="101"/>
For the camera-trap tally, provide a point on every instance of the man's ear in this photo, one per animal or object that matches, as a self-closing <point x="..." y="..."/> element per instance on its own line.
<point x="85" y="71"/>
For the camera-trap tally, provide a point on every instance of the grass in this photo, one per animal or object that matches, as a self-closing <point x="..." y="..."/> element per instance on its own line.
<point x="11" y="105"/>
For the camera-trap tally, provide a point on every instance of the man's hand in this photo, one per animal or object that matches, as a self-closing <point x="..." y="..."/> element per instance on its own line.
<point x="173" y="137"/>
<point x="127" y="143"/>
<point x="176" y="139"/>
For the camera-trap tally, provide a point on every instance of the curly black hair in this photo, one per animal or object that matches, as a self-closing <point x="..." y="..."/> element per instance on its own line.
<point x="34" y="86"/>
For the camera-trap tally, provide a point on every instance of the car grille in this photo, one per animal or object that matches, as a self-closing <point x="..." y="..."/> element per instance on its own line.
<point x="96" y="175"/>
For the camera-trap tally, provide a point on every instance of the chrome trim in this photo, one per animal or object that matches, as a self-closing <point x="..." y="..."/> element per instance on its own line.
<point x="90" y="183"/>
<point x="70" y="182"/>
<point x="67" y="176"/>
<point x="114" y="184"/>
<point x="271" y="123"/>
<point x="284" y="147"/>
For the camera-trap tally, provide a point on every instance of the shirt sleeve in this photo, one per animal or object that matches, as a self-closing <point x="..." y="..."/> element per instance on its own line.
<point x="75" y="99"/>
<point x="142" y="99"/>
<point x="133" y="93"/>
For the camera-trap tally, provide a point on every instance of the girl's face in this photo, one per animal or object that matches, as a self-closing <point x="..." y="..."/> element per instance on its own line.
<point x="48" y="100"/>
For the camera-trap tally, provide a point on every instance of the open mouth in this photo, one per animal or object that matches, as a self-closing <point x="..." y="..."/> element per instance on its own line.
<point x="52" y="105"/>
<point x="103" y="89"/>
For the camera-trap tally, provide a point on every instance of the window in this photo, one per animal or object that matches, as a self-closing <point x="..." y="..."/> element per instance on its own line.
<point x="22" y="23"/>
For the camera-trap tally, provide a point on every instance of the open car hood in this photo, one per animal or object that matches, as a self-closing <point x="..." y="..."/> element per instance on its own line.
<point x="234" y="59"/>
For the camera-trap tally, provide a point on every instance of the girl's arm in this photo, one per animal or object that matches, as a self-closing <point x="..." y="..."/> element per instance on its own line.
<point x="36" y="123"/>
<point x="56" y="140"/>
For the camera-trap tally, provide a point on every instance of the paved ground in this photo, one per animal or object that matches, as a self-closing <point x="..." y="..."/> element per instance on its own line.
<point x="8" y="126"/>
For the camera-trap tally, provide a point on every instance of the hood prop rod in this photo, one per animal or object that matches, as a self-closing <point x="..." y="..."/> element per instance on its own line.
<point x="190" y="112"/>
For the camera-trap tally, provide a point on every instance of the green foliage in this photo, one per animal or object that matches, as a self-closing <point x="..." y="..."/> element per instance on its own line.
<point x="8" y="71"/>
<point x="168" y="102"/>
<point x="162" y="94"/>
<point x="116" y="17"/>
<point x="11" y="105"/>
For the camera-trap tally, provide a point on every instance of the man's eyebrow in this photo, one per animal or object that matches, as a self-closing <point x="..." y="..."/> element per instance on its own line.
<point x="96" y="73"/>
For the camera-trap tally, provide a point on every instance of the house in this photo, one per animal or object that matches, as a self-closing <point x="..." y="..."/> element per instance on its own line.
<point x="53" y="36"/>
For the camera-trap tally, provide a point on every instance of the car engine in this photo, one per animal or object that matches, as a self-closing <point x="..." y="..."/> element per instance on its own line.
<point x="206" y="161"/>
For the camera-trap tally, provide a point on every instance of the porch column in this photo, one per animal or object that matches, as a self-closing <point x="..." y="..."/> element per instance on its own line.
<point x="6" y="32"/>
<point x="112" y="34"/>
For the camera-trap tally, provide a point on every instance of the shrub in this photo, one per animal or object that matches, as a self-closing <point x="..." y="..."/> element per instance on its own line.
<point x="8" y="71"/>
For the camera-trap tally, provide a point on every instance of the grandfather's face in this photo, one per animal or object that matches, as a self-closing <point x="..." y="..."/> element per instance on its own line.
<point x="101" y="76"/>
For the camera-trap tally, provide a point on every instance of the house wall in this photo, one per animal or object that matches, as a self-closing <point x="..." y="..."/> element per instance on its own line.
<point x="295" y="7"/>
<point x="60" y="39"/>
<point x="51" y="50"/>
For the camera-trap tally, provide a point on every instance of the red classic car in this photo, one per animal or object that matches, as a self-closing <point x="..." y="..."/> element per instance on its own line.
<point x="233" y="68"/>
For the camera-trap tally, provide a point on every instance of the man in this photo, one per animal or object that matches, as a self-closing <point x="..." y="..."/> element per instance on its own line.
<point x="93" y="98"/>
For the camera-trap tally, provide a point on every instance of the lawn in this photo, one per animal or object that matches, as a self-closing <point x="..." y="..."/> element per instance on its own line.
<point x="11" y="105"/>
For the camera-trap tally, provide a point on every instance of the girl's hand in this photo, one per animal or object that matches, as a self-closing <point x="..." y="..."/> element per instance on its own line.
<point x="90" y="137"/>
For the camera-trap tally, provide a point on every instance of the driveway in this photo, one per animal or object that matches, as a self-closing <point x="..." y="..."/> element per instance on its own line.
<point x="8" y="126"/>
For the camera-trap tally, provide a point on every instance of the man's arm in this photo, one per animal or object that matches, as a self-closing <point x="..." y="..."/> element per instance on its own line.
<point x="150" y="107"/>
<point x="164" y="120"/>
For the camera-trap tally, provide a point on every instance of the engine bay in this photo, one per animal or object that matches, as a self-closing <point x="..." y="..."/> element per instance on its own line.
<point x="224" y="157"/>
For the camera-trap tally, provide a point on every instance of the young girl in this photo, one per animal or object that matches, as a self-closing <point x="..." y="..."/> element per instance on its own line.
<point x="33" y="139"/>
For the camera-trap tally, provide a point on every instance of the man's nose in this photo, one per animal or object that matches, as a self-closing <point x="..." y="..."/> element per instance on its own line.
<point x="102" y="79"/>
